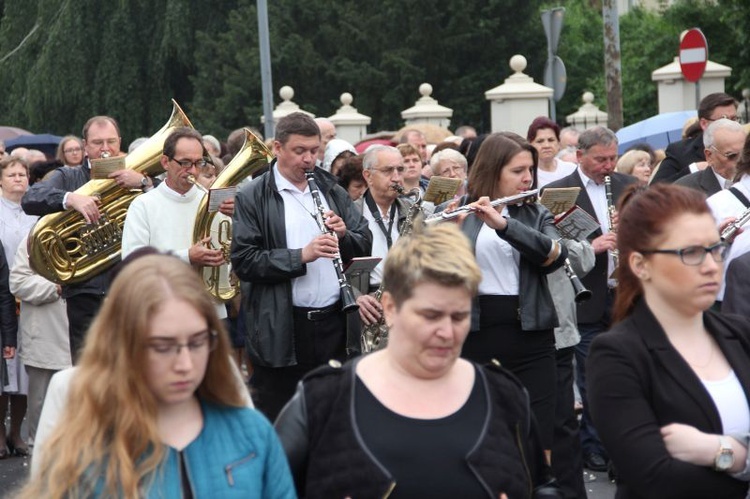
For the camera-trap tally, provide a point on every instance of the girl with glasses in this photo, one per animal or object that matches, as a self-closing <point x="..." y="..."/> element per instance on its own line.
<point x="156" y="409"/>
<point x="669" y="384"/>
<point x="70" y="151"/>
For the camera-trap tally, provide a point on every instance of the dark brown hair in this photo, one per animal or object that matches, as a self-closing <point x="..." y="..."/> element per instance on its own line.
<point x="496" y="151"/>
<point x="712" y="101"/>
<point x="170" y="144"/>
<point x="645" y="215"/>
<point x="542" y="123"/>
<point x="743" y="165"/>
<point x="296" y="124"/>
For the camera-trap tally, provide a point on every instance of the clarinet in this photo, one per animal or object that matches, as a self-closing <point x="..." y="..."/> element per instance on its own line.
<point x="610" y="218"/>
<point x="348" y="300"/>
<point x="581" y="293"/>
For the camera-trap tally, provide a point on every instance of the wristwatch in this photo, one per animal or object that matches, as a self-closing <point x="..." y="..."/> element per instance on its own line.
<point x="725" y="456"/>
<point x="144" y="181"/>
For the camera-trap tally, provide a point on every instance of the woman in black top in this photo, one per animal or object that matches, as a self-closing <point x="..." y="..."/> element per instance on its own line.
<point x="413" y="419"/>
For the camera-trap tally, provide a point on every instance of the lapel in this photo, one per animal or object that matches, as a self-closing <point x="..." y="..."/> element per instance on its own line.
<point x="708" y="181"/>
<point x="665" y="355"/>
<point x="584" y="201"/>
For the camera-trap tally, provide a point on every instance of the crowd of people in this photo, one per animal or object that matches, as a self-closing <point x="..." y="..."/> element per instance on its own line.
<point x="135" y="381"/>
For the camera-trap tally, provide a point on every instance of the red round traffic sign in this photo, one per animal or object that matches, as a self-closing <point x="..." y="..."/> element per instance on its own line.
<point x="693" y="54"/>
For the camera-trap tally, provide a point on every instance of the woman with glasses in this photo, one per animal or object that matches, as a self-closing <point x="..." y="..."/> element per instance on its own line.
<point x="70" y="151"/>
<point x="154" y="406"/>
<point x="669" y="384"/>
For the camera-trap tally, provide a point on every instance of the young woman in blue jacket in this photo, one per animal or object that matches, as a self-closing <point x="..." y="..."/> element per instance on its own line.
<point x="154" y="409"/>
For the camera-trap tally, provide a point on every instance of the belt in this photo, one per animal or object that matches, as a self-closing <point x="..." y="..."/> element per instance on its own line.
<point x="318" y="314"/>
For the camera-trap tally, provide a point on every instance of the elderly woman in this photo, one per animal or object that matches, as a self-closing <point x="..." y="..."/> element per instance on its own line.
<point x="636" y="163"/>
<point x="451" y="164"/>
<point x="669" y="384"/>
<point x="154" y="408"/>
<point x="70" y="151"/>
<point x="544" y="135"/>
<point x="413" y="419"/>
<point x="14" y="226"/>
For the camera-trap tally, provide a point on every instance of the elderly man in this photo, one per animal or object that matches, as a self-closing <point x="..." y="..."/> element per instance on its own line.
<point x="290" y="289"/>
<point x="723" y="141"/>
<point x="597" y="156"/>
<point x="327" y="134"/>
<point x="56" y="193"/>
<point x="688" y="156"/>
<point x="384" y="211"/>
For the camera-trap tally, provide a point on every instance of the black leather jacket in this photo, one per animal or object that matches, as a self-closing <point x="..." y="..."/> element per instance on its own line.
<point x="319" y="433"/>
<point x="8" y="317"/>
<point x="266" y="267"/>
<point x="530" y="231"/>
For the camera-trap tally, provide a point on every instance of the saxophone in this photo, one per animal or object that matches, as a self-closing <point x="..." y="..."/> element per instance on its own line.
<point x="375" y="336"/>
<point x="253" y="156"/>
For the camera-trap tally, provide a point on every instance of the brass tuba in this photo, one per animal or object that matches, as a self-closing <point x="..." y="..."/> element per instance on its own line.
<point x="64" y="249"/>
<point x="253" y="156"/>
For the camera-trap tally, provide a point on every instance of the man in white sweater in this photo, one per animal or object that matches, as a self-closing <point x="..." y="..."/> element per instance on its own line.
<point x="164" y="217"/>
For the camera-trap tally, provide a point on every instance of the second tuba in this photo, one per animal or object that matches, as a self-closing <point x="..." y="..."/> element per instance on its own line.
<point x="64" y="249"/>
<point x="253" y="156"/>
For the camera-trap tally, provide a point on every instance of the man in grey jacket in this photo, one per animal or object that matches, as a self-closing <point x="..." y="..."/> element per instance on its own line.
<point x="290" y="290"/>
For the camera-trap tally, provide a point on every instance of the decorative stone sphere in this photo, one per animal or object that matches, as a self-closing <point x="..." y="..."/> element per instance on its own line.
<point x="588" y="97"/>
<point x="518" y="63"/>
<point x="286" y="92"/>
<point x="425" y="89"/>
<point x="346" y="99"/>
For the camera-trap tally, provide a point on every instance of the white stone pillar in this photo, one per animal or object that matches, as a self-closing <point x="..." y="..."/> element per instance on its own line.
<point x="677" y="94"/>
<point x="287" y="106"/>
<point x="588" y="114"/>
<point x="427" y="110"/>
<point x="350" y="124"/>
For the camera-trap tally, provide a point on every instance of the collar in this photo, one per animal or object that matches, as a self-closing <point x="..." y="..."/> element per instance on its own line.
<point x="282" y="184"/>
<point x="585" y="179"/>
<point x="173" y="194"/>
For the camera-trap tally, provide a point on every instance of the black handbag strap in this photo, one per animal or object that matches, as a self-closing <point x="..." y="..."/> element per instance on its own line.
<point x="738" y="194"/>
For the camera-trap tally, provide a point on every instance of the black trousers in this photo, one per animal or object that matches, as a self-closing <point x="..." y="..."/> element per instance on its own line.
<point x="567" y="459"/>
<point x="530" y="355"/>
<point x="315" y="343"/>
<point x="81" y="309"/>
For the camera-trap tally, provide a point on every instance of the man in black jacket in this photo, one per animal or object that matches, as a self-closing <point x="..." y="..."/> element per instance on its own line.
<point x="101" y="137"/>
<point x="687" y="156"/>
<point x="597" y="156"/>
<point x="290" y="290"/>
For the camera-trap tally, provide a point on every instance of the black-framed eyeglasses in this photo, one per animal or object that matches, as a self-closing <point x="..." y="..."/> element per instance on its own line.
<point x="695" y="255"/>
<point x="725" y="117"/>
<point x="205" y="341"/>
<point x="731" y="156"/>
<point x="187" y="164"/>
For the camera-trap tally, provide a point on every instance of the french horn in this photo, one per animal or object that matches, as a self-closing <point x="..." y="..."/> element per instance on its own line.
<point x="253" y="156"/>
<point x="64" y="249"/>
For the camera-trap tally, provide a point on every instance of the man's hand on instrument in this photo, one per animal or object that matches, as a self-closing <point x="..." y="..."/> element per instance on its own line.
<point x="88" y="206"/>
<point x="128" y="179"/>
<point x="370" y="310"/>
<point x="335" y="223"/>
<point x="227" y="207"/>
<point x="200" y="254"/>
<point x="323" y="246"/>
<point x="605" y="242"/>
<point x="725" y="224"/>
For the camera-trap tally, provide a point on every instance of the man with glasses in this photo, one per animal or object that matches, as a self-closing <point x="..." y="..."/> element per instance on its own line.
<point x="101" y="136"/>
<point x="290" y="290"/>
<point x="597" y="156"/>
<point x="688" y="155"/>
<point x="723" y="141"/>
<point x="164" y="217"/>
<point x="383" y="169"/>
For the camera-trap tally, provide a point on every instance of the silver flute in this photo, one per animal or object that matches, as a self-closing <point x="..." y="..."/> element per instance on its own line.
<point x="731" y="229"/>
<point x="445" y="216"/>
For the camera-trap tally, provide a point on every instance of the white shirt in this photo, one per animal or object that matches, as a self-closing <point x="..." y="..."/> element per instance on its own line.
<point x="319" y="287"/>
<point x="725" y="204"/>
<point x="724" y="183"/>
<point x="15" y="225"/>
<point x="562" y="169"/>
<point x="731" y="403"/>
<point x="499" y="262"/>
<point x="598" y="196"/>
<point x="379" y="242"/>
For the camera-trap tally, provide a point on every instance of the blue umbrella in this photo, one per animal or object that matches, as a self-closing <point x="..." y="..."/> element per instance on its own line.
<point x="45" y="142"/>
<point x="658" y="131"/>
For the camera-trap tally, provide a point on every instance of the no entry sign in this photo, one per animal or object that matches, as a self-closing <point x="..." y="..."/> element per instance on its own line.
<point x="693" y="55"/>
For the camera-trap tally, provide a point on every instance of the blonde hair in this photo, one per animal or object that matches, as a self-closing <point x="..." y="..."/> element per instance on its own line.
<point x="108" y="438"/>
<point x="627" y="161"/>
<point x="439" y="254"/>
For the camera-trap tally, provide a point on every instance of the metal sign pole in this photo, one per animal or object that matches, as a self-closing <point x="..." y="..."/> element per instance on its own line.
<point x="265" y="68"/>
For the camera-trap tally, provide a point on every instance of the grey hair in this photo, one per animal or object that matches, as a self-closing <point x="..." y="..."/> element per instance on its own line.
<point x="596" y="136"/>
<point x="720" y="124"/>
<point x="447" y="155"/>
<point x="371" y="155"/>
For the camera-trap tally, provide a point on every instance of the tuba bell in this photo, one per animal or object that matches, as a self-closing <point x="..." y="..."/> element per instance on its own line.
<point x="64" y="249"/>
<point x="253" y="156"/>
